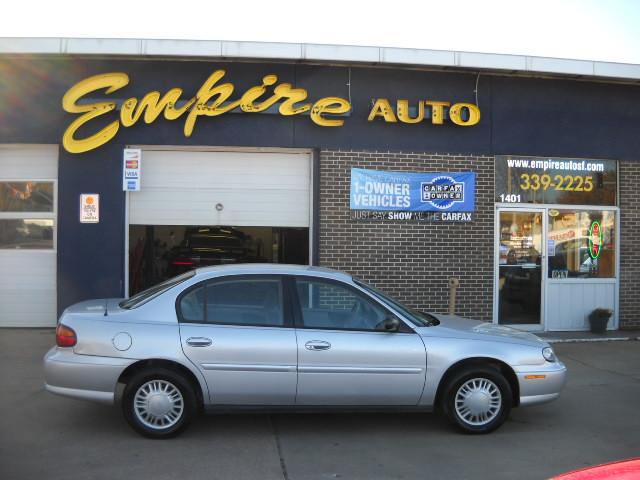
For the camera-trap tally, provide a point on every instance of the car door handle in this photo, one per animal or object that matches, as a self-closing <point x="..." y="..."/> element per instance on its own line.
<point x="199" y="341"/>
<point x="317" y="345"/>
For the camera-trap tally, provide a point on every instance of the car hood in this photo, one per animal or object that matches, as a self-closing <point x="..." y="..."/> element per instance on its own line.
<point x="453" y="326"/>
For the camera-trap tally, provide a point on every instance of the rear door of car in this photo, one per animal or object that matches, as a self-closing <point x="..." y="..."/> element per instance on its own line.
<point x="238" y="331"/>
<point x="343" y="356"/>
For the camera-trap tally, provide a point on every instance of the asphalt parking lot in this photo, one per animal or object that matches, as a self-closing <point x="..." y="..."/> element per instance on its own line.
<point x="43" y="436"/>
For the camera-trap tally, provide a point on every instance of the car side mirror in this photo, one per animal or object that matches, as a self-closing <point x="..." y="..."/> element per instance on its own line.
<point x="391" y="324"/>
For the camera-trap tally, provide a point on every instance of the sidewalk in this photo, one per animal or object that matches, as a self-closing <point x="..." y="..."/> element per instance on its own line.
<point x="573" y="337"/>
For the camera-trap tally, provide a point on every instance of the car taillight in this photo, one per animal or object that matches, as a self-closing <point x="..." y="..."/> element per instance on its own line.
<point x="65" y="336"/>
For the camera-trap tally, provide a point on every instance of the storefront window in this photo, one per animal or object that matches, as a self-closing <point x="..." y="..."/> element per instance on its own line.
<point x="581" y="244"/>
<point x="559" y="181"/>
<point x="29" y="233"/>
<point x="26" y="196"/>
<point x="26" y="215"/>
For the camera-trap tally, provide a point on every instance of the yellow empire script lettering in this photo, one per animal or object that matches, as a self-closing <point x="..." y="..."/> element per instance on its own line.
<point x="211" y="99"/>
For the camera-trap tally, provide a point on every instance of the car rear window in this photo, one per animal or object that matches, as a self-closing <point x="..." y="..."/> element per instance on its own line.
<point x="151" y="293"/>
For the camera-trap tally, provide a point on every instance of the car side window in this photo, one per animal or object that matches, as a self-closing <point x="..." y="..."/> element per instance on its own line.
<point x="329" y="305"/>
<point x="192" y="305"/>
<point x="245" y="302"/>
<point x="253" y="302"/>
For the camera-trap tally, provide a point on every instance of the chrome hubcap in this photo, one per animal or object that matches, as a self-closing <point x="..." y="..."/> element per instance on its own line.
<point x="158" y="404"/>
<point x="478" y="401"/>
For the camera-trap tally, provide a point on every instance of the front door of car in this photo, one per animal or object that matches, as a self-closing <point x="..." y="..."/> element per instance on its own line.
<point x="344" y="355"/>
<point x="238" y="332"/>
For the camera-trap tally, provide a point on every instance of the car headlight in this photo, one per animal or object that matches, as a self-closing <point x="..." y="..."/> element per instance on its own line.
<point x="549" y="354"/>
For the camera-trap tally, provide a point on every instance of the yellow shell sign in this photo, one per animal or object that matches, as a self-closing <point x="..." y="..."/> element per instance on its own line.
<point x="213" y="98"/>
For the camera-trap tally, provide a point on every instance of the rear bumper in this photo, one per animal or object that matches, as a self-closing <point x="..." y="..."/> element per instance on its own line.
<point x="85" y="377"/>
<point x="541" y="383"/>
<point x="91" y="395"/>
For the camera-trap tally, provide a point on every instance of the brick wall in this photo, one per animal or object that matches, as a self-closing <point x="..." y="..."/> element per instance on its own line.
<point x="629" y="244"/>
<point x="412" y="261"/>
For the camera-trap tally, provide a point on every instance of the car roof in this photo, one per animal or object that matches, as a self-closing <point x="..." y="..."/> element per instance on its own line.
<point x="273" y="268"/>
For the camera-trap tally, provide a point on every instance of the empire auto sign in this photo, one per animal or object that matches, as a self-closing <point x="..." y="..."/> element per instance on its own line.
<point x="216" y="97"/>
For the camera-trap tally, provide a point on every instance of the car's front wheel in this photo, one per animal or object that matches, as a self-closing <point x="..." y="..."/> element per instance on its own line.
<point x="477" y="399"/>
<point x="158" y="403"/>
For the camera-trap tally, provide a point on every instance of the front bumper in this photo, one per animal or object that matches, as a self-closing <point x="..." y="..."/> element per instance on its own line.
<point x="85" y="377"/>
<point x="541" y="383"/>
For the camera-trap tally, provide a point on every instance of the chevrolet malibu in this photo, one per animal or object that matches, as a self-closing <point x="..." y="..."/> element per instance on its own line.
<point x="284" y="337"/>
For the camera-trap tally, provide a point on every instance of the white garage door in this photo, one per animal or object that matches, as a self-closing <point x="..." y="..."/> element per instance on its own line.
<point x="28" y="206"/>
<point x="248" y="189"/>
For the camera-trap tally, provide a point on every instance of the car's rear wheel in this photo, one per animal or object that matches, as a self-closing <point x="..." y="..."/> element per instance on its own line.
<point x="477" y="399"/>
<point x="158" y="403"/>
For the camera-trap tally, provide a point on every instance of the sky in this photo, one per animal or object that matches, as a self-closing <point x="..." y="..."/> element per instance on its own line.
<point x="605" y="30"/>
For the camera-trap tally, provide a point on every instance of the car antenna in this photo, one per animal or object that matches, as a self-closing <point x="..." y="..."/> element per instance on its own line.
<point x="105" y="307"/>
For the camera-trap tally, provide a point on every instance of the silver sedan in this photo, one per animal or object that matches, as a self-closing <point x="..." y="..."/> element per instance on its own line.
<point x="282" y="337"/>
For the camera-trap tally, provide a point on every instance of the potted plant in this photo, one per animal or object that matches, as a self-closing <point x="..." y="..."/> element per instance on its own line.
<point x="599" y="318"/>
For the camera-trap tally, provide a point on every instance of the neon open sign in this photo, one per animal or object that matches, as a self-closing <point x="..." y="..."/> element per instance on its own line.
<point x="596" y="239"/>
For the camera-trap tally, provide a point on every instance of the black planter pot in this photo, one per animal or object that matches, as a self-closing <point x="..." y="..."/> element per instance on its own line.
<point x="598" y="320"/>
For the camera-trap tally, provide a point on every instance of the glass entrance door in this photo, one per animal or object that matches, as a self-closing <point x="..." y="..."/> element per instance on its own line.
<point x="520" y="264"/>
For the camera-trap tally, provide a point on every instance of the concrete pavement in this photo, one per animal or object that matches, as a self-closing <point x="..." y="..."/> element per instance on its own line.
<point x="43" y="436"/>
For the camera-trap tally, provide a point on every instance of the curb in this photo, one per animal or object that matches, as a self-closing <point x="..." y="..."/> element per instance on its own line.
<point x="591" y="340"/>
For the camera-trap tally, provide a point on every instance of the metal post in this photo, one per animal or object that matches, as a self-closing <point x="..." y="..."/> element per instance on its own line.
<point x="453" y="287"/>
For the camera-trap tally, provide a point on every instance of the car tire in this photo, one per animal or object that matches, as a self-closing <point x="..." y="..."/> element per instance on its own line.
<point x="158" y="403"/>
<point x="477" y="399"/>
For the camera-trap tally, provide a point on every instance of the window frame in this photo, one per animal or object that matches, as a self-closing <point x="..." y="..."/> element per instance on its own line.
<point x="286" y="304"/>
<point x="616" y="254"/>
<point x="296" y="305"/>
<point x="33" y="215"/>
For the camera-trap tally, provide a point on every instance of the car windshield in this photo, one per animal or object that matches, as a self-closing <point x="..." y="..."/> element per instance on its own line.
<point x="421" y="319"/>
<point x="150" y="293"/>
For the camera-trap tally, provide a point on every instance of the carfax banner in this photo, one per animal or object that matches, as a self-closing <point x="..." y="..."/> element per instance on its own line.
<point x="381" y="191"/>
